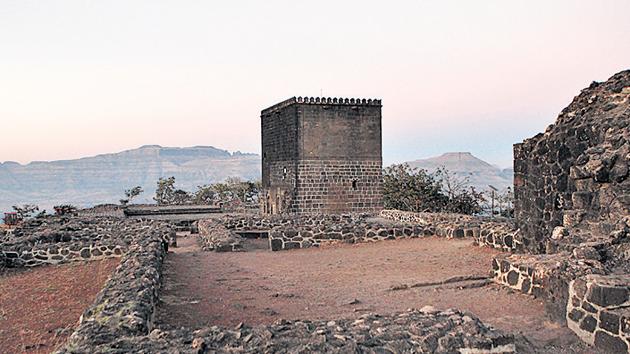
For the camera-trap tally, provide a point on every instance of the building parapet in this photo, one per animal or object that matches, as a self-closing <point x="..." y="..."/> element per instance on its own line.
<point x="340" y="101"/>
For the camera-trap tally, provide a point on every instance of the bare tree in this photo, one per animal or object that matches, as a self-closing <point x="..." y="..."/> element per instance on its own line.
<point x="130" y="194"/>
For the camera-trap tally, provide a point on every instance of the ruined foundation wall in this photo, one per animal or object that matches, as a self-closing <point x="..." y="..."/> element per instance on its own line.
<point x="497" y="233"/>
<point x="55" y="240"/>
<point x="598" y="311"/>
<point x="575" y="174"/>
<point x="572" y="205"/>
<point x="125" y="307"/>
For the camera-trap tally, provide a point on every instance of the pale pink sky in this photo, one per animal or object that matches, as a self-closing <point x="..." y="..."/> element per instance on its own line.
<point x="79" y="78"/>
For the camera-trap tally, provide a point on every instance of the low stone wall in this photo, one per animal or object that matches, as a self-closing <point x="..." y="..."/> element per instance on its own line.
<point x="519" y="272"/>
<point x="414" y="331"/>
<point x="268" y="222"/>
<point x="299" y="231"/>
<point x="126" y="305"/>
<point x="55" y="240"/>
<point x="55" y="254"/>
<point x="253" y="222"/>
<point x="496" y="233"/>
<point x="293" y="237"/>
<point x="544" y="276"/>
<point x="598" y="311"/>
<point x="214" y="236"/>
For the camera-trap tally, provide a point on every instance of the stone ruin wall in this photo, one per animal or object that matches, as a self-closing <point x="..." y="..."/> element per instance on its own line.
<point x="287" y="232"/>
<point x="121" y="320"/>
<point x="55" y="240"/>
<point x="575" y="175"/>
<point x="598" y="311"/>
<point x="572" y="206"/>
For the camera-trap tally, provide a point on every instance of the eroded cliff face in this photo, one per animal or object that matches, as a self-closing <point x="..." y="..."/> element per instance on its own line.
<point x="103" y="178"/>
<point x="571" y="182"/>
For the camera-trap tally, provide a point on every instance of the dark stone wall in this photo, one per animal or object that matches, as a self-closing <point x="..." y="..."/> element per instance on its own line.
<point x="322" y="155"/>
<point x="280" y="150"/>
<point x="575" y="174"/>
<point x="339" y="186"/>
<point x="350" y="132"/>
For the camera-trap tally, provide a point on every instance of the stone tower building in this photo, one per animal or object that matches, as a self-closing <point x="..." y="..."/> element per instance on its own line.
<point x="322" y="155"/>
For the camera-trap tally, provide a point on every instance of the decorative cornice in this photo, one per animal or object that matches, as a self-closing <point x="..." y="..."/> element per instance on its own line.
<point x="322" y="101"/>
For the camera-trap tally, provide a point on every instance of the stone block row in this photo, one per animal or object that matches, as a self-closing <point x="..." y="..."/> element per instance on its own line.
<point x="598" y="311"/>
<point x="519" y="272"/>
<point x="495" y="233"/>
<point x="54" y="240"/>
<point x="60" y="254"/>
<point x="126" y="305"/>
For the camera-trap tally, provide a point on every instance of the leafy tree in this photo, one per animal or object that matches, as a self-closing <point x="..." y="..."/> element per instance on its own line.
<point x="222" y="191"/>
<point x="130" y="194"/>
<point x="204" y="195"/>
<point x="232" y="190"/>
<point x="25" y="211"/>
<point x="181" y="197"/>
<point x="165" y="192"/>
<point x="411" y="189"/>
<point x="65" y="209"/>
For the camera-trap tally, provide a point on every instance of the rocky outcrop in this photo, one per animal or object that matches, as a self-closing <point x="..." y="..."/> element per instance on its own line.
<point x="103" y="178"/>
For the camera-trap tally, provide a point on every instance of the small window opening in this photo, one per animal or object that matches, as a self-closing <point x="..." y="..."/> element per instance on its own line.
<point x="354" y="184"/>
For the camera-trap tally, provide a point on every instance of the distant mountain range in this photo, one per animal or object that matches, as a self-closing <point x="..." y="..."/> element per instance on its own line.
<point x="103" y="178"/>
<point x="479" y="173"/>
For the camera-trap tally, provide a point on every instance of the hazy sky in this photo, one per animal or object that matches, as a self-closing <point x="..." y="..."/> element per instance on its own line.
<point x="79" y="78"/>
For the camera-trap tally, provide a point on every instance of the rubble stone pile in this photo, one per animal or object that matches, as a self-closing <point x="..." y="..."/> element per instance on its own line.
<point x="414" y="331"/>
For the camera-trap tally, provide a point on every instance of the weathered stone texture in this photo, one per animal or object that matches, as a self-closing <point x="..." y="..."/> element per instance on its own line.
<point x="303" y="231"/>
<point x="492" y="232"/>
<point x="322" y="156"/>
<point x="125" y="307"/>
<point x="214" y="236"/>
<point x="54" y="240"/>
<point x="415" y="331"/>
<point x="575" y="175"/>
<point x="598" y="311"/>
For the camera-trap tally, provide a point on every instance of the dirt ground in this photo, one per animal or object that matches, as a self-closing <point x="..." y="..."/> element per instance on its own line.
<point x="260" y="287"/>
<point x="39" y="307"/>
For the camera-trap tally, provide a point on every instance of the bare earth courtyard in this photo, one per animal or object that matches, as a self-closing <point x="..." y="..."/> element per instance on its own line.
<point x="40" y="307"/>
<point x="345" y="281"/>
